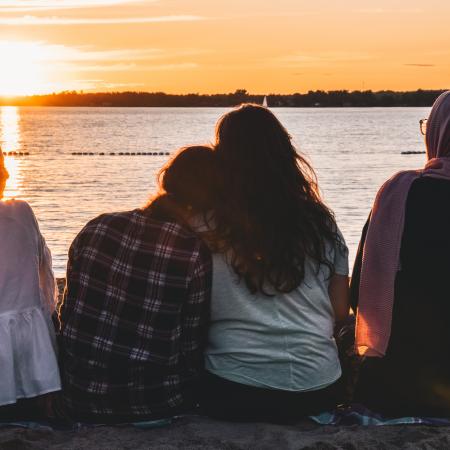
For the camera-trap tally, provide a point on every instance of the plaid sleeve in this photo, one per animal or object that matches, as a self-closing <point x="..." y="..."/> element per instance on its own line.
<point x="64" y="306"/>
<point x="195" y="315"/>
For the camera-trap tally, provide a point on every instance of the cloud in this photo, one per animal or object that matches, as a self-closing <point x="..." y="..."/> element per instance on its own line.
<point x="420" y="65"/>
<point x="62" y="58"/>
<point x="132" y="67"/>
<point x="90" y="85"/>
<point x="71" y="67"/>
<point x="42" y="5"/>
<point x="320" y="59"/>
<point x="163" y="67"/>
<point x="54" y="20"/>
<point x="75" y="54"/>
<point x="96" y="84"/>
<point x="388" y="11"/>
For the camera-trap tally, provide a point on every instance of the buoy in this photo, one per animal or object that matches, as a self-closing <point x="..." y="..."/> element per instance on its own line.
<point x="410" y="152"/>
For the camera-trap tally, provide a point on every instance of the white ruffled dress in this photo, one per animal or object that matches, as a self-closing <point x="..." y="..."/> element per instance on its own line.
<point x="28" y="362"/>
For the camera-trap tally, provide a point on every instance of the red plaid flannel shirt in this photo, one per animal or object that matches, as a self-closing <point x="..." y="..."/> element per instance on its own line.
<point x="133" y="318"/>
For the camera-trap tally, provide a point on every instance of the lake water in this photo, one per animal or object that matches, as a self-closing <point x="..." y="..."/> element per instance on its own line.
<point x="353" y="151"/>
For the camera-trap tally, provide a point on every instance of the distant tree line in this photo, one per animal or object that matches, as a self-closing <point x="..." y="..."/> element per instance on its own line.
<point x="160" y="99"/>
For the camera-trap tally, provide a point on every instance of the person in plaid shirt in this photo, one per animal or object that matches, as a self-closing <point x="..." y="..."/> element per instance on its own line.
<point x="135" y="309"/>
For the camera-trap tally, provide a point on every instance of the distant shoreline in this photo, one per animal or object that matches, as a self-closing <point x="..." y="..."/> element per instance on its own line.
<point x="312" y="99"/>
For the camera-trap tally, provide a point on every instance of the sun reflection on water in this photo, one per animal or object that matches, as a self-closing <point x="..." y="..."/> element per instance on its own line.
<point x="10" y="142"/>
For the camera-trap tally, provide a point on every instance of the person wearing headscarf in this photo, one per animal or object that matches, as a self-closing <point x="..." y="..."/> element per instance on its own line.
<point x="400" y="287"/>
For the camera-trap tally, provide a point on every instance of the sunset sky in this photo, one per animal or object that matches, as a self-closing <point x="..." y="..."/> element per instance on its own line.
<point x="207" y="46"/>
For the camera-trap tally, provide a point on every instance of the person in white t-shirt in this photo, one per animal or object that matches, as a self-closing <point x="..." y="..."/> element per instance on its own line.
<point x="28" y="362"/>
<point x="280" y="278"/>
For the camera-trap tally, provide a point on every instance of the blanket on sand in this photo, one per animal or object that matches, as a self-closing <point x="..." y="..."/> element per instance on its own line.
<point x="354" y="414"/>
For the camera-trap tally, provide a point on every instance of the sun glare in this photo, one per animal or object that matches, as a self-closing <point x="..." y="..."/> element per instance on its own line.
<point x="22" y="70"/>
<point x="10" y="142"/>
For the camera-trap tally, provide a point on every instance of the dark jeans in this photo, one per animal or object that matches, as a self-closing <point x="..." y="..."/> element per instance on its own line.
<point x="23" y="410"/>
<point x="224" y="399"/>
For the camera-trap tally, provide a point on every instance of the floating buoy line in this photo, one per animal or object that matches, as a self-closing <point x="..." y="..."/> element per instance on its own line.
<point x="413" y="153"/>
<point x="16" y="153"/>
<point x="121" y="154"/>
<point x="98" y="154"/>
<point x="147" y="153"/>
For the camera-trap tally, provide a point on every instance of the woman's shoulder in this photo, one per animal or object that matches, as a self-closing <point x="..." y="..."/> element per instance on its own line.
<point x="398" y="184"/>
<point x="19" y="210"/>
<point x="400" y="177"/>
<point x="17" y="206"/>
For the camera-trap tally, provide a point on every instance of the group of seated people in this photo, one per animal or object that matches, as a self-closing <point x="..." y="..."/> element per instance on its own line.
<point x="223" y="295"/>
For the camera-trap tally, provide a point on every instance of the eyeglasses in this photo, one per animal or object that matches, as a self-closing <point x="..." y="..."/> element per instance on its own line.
<point x="423" y="126"/>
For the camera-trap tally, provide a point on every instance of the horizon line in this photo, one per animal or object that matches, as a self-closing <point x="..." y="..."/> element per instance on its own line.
<point x="242" y="92"/>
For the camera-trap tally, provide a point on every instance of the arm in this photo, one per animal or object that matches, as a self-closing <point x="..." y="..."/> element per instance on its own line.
<point x="71" y="282"/>
<point x="338" y="284"/>
<point x="47" y="280"/>
<point x="195" y="315"/>
<point x="356" y="274"/>
<point x="338" y="291"/>
<point x="48" y="289"/>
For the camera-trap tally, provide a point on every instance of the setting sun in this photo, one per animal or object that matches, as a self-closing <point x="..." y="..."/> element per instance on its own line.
<point x="22" y="71"/>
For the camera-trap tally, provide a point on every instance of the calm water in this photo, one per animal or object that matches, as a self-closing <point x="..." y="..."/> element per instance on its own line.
<point x="353" y="151"/>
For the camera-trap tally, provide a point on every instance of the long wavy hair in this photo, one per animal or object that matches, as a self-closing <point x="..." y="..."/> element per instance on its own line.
<point x="186" y="185"/>
<point x="269" y="217"/>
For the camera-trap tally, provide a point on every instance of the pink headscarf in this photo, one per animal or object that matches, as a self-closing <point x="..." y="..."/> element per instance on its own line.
<point x="381" y="253"/>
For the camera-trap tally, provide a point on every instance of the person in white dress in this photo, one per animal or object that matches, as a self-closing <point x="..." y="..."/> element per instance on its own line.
<point x="28" y="361"/>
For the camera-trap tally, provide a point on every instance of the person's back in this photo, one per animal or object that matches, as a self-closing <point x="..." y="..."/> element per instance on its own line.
<point x="280" y="278"/>
<point x="28" y="363"/>
<point x="284" y="341"/>
<point x="400" y="286"/>
<point x="133" y="316"/>
<point x="415" y="360"/>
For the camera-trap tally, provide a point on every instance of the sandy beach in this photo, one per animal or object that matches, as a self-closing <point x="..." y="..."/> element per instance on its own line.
<point x="200" y="433"/>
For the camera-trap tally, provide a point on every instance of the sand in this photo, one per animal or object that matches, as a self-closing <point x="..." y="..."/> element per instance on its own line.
<point x="201" y="433"/>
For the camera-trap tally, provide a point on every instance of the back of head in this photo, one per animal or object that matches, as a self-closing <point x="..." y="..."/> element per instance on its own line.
<point x="269" y="217"/>
<point x="186" y="183"/>
<point x="438" y="128"/>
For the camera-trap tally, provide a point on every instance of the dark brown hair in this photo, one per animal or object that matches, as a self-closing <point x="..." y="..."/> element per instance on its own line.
<point x="269" y="217"/>
<point x="186" y="184"/>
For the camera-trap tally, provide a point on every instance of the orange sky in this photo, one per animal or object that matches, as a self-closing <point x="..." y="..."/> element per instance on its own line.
<point x="208" y="46"/>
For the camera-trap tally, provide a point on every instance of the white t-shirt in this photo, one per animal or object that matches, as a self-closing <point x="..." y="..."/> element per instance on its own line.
<point x="28" y="363"/>
<point x="282" y="342"/>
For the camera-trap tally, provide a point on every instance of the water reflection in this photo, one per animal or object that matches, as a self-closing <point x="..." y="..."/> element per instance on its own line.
<point x="10" y="142"/>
